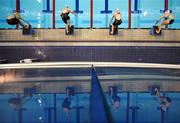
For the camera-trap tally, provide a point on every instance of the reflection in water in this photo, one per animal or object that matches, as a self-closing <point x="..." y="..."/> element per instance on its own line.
<point x="9" y="76"/>
<point x="114" y="98"/>
<point x="163" y="100"/>
<point x="66" y="105"/>
<point x="17" y="102"/>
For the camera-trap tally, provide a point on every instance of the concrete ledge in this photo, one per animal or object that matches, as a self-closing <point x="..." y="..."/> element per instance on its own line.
<point x="89" y="35"/>
<point x="14" y="79"/>
<point x="85" y="86"/>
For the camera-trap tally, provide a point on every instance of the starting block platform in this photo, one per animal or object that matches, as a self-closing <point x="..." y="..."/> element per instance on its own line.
<point x="28" y="31"/>
<point x="153" y="31"/>
<point x="71" y="30"/>
<point x="115" y="30"/>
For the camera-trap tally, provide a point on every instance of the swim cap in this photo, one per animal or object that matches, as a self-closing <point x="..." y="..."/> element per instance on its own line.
<point x="117" y="9"/>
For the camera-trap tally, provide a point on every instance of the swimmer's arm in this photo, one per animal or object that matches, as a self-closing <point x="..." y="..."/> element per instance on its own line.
<point x="61" y="13"/>
<point x="161" y="18"/>
<point x="111" y="20"/>
<point x="157" y="99"/>
<point x="71" y="11"/>
<point x="110" y="99"/>
<point x="171" y="16"/>
<point x="25" y="21"/>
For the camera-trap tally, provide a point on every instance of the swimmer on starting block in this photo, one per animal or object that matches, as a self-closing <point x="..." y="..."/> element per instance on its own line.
<point x="15" y="18"/>
<point x="117" y="21"/>
<point x="163" y="100"/>
<point x="65" y="17"/>
<point x="168" y="19"/>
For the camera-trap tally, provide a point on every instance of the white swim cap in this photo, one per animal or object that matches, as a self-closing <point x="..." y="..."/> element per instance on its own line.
<point x="117" y="9"/>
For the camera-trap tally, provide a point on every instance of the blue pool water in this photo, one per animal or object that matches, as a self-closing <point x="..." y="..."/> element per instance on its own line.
<point x="36" y="109"/>
<point x="41" y="107"/>
<point x="38" y="12"/>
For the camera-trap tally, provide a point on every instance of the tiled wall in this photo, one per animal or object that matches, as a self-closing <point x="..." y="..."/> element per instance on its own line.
<point x="89" y="34"/>
<point x="84" y="86"/>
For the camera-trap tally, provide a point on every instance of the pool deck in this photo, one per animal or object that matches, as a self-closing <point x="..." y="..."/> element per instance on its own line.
<point x="89" y="37"/>
<point x="84" y="84"/>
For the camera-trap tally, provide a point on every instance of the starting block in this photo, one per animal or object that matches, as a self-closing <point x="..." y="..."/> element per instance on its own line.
<point x="28" y="31"/>
<point x="71" y="30"/>
<point x="153" y="31"/>
<point x="70" y="91"/>
<point x="153" y="89"/>
<point x="113" y="90"/>
<point x="115" y="30"/>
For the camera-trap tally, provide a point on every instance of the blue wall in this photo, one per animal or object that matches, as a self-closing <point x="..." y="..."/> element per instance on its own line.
<point x="144" y="12"/>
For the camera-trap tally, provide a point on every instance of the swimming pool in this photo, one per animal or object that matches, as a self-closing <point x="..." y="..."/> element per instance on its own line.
<point x="40" y="109"/>
<point x="137" y="106"/>
<point x="45" y="106"/>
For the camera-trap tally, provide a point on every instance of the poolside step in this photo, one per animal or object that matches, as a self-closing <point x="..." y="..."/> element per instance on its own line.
<point x="89" y="35"/>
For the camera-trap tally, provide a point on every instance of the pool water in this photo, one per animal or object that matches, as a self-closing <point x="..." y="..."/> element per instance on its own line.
<point x="45" y="104"/>
<point x="39" y="109"/>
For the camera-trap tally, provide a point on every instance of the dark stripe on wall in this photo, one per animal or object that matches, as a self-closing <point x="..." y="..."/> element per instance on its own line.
<point x="169" y="55"/>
